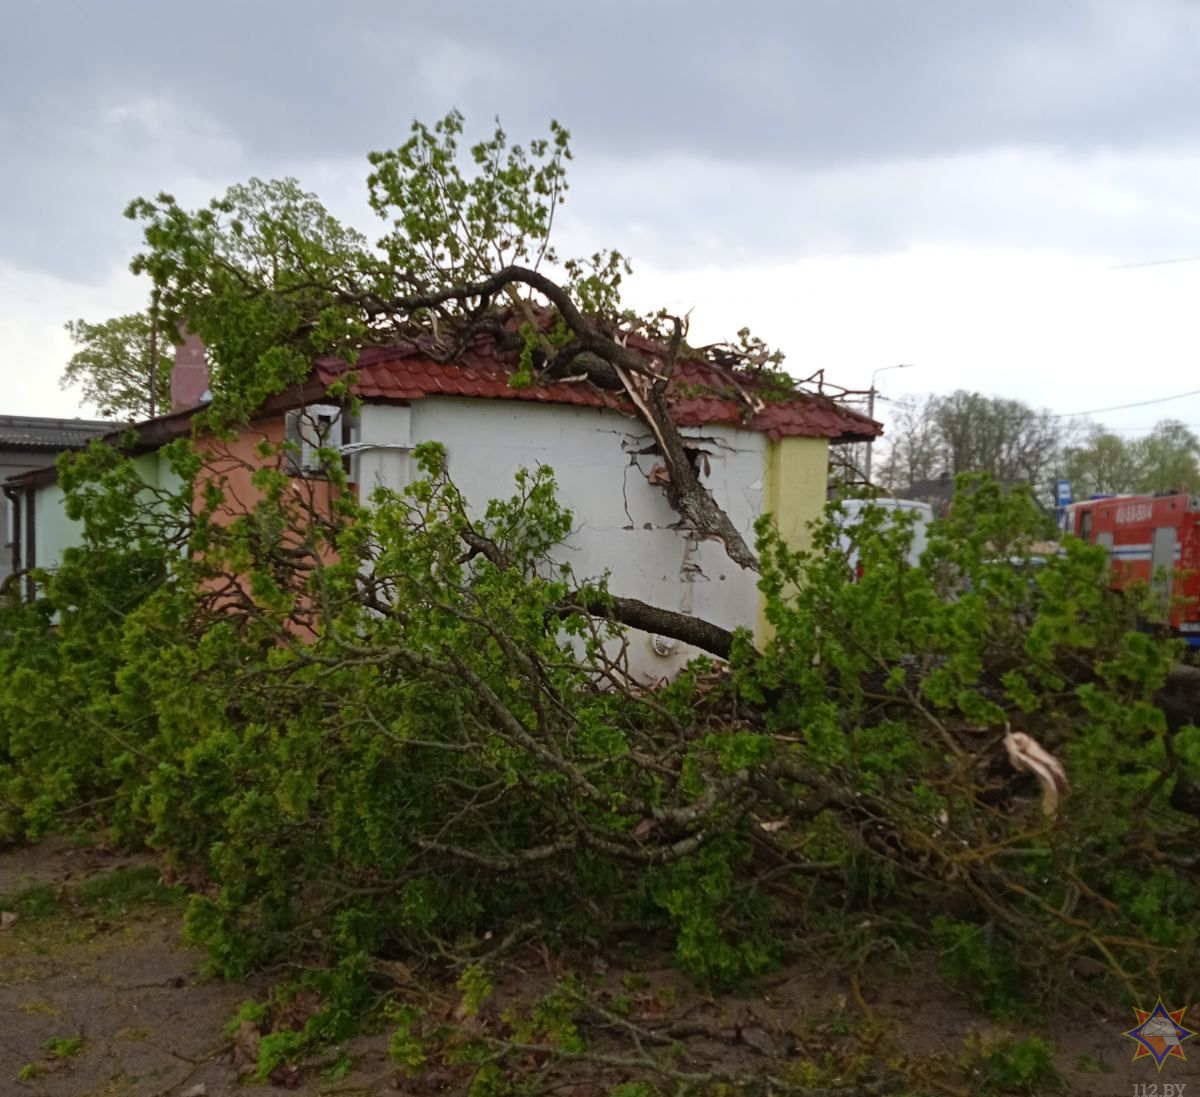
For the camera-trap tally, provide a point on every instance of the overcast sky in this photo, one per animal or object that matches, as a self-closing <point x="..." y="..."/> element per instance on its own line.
<point x="959" y="186"/>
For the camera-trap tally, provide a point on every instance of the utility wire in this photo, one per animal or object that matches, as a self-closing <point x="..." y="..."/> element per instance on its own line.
<point x="1117" y="430"/>
<point x="1122" y="407"/>
<point x="1157" y="262"/>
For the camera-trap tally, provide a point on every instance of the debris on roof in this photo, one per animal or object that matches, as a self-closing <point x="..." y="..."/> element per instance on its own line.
<point x="698" y="394"/>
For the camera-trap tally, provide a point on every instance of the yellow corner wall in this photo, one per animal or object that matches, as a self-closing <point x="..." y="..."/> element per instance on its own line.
<point x="795" y="480"/>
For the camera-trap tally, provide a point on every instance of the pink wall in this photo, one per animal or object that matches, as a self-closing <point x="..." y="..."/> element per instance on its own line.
<point x="231" y="464"/>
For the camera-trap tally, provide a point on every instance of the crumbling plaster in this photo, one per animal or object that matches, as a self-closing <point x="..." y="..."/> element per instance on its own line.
<point x="604" y="468"/>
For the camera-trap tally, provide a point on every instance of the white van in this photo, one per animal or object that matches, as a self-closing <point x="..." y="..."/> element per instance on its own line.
<point x="923" y="513"/>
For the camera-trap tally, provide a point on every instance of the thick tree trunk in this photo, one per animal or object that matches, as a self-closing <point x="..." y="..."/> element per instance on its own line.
<point x="661" y="622"/>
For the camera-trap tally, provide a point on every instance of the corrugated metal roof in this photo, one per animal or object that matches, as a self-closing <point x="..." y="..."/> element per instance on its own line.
<point x="33" y="432"/>
<point x="699" y="394"/>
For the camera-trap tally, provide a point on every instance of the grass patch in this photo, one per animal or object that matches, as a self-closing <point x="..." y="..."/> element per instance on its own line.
<point x="119" y="891"/>
<point x="1017" y="1066"/>
<point x="63" y="1047"/>
<point x="33" y="902"/>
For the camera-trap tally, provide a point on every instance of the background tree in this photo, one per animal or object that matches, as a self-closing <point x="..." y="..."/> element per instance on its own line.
<point x="1007" y="439"/>
<point x="114" y="366"/>
<point x="968" y="432"/>
<point x="1164" y="460"/>
<point x="911" y="448"/>
<point x="1168" y="458"/>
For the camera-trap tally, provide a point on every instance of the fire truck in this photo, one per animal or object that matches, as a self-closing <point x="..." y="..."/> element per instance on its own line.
<point x="1152" y="540"/>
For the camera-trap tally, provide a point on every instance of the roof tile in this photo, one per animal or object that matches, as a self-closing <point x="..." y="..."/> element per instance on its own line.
<point x="34" y="432"/>
<point x="408" y="373"/>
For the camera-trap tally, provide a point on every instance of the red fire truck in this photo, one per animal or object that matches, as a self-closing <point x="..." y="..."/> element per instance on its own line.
<point x="1152" y="540"/>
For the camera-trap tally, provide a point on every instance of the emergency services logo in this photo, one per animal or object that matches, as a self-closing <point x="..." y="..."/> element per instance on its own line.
<point x="1160" y="1034"/>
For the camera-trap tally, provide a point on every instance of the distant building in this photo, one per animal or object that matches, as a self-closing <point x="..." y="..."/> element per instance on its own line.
<point x="939" y="493"/>
<point x="28" y="443"/>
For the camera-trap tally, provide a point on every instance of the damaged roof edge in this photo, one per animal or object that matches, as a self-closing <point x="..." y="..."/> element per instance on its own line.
<point x="698" y="395"/>
<point x="805" y="415"/>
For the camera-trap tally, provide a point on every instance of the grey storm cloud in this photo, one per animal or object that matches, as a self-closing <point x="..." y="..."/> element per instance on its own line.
<point x="103" y="101"/>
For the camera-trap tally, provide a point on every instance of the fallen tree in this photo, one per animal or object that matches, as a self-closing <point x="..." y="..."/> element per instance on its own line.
<point x="455" y="745"/>
<point x="392" y="734"/>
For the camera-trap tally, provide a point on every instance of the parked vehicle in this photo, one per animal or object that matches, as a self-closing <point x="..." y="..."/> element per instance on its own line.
<point x="1152" y="540"/>
<point x="851" y="515"/>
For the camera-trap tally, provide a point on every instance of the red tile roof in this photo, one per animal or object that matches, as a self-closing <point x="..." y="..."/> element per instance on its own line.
<point x="699" y="394"/>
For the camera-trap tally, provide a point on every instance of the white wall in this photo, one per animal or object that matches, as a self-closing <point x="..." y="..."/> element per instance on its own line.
<point x="623" y="524"/>
<point x="55" y="532"/>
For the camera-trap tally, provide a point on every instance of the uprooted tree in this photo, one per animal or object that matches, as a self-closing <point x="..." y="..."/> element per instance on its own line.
<point x="370" y="731"/>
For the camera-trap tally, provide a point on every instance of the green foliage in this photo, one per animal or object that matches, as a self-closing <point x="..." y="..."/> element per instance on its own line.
<point x="982" y="966"/>
<point x="476" y="988"/>
<point x="385" y="728"/>
<point x="255" y="1013"/>
<point x="271" y="281"/>
<point x="68" y="734"/>
<point x="119" y="367"/>
<point x="448" y="227"/>
<point x="1025" y="1067"/>
<point x="257" y="274"/>
<point x="722" y="930"/>
<point x="63" y="1047"/>
<point x="1164" y="460"/>
<point x="896" y="704"/>
<point x="405" y="1046"/>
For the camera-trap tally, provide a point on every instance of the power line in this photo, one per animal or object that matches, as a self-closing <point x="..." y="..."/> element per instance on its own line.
<point x="1157" y="262"/>
<point x="1116" y="430"/>
<point x="1122" y="407"/>
<point x="909" y="406"/>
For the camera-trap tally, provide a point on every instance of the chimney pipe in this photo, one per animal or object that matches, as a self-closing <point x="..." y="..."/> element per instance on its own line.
<point x="189" y="374"/>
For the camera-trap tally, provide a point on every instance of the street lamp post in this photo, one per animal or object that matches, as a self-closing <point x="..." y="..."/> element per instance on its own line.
<point x="871" y="410"/>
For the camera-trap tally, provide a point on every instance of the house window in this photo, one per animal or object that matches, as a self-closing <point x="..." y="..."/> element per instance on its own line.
<point x="312" y="429"/>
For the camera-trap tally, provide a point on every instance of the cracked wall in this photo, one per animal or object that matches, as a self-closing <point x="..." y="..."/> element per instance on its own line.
<point x="604" y="464"/>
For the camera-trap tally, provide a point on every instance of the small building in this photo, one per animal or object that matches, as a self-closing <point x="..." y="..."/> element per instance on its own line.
<point x="27" y="443"/>
<point x="755" y="456"/>
<point x="939" y="493"/>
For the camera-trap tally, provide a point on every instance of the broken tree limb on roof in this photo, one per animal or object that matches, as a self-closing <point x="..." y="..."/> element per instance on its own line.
<point x="275" y="287"/>
<point x="603" y="356"/>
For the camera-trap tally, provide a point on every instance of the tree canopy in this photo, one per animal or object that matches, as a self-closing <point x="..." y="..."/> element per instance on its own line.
<point x="968" y="432"/>
<point x="123" y="366"/>
<point x="271" y="281"/>
<point x="1163" y="460"/>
